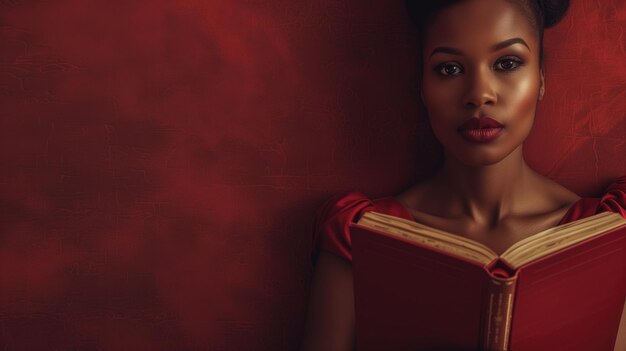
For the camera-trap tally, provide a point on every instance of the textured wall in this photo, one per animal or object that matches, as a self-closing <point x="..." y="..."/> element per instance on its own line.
<point x="579" y="138"/>
<point x="161" y="161"/>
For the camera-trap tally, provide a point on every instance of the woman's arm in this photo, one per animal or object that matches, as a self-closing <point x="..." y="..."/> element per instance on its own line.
<point x="330" y="318"/>
<point x="620" y="344"/>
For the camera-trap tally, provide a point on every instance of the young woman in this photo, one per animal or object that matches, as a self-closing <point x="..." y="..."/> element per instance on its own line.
<point x="481" y="79"/>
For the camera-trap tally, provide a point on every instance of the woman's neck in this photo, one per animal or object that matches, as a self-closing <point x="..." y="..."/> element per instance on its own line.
<point x="489" y="193"/>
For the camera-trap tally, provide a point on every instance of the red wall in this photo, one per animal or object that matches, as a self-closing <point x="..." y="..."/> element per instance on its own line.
<point x="161" y="161"/>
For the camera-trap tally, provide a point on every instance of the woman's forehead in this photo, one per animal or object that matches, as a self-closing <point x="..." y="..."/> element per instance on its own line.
<point x="479" y="25"/>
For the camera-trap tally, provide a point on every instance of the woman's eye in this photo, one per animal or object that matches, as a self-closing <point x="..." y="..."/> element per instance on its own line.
<point x="449" y="69"/>
<point x="508" y="64"/>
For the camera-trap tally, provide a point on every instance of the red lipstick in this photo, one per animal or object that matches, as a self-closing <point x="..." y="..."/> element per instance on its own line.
<point x="481" y="130"/>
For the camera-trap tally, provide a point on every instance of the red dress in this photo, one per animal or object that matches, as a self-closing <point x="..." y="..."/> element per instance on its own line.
<point x="330" y="230"/>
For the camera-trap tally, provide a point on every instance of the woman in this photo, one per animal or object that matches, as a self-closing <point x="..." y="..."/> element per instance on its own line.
<point x="481" y="79"/>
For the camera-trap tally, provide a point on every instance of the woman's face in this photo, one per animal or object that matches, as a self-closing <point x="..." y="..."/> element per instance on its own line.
<point x="481" y="58"/>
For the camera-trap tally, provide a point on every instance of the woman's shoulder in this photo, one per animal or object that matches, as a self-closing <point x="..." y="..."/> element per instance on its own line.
<point x="555" y="198"/>
<point x="350" y="205"/>
<point x="331" y="231"/>
<point x="612" y="199"/>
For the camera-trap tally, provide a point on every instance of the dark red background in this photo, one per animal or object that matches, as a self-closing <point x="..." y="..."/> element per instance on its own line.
<point x="161" y="161"/>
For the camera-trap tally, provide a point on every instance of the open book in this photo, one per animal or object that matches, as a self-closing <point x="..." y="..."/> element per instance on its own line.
<point x="420" y="288"/>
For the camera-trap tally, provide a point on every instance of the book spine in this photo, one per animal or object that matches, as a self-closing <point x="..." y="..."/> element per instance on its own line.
<point x="497" y="313"/>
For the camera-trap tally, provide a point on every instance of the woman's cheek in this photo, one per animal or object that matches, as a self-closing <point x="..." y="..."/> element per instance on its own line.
<point x="441" y="104"/>
<point x="526" y="94"/>
<point x="523" y="102"/>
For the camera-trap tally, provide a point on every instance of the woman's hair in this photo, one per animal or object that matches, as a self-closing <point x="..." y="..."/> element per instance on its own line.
<point x="540" y="13"/>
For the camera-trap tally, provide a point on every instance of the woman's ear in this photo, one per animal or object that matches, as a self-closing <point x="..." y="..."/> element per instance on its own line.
<point x="542" y="86"/>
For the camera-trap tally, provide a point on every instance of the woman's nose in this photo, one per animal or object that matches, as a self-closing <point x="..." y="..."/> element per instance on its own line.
<point x="480" y="89"/>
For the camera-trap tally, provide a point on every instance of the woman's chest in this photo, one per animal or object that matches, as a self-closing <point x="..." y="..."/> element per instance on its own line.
<point x="498" y="237"/>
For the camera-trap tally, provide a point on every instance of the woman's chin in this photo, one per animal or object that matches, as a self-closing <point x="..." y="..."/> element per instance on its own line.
<point x="479" y="157"/>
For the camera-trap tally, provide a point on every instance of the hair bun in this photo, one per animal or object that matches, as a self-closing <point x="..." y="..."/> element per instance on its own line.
<point x="553" y="11"/>
<point x="550" y="11"/>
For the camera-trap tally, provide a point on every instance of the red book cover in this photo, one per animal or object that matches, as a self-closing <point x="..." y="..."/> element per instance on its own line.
<point x="410" y="296"/>
<point x="572" y="300"/>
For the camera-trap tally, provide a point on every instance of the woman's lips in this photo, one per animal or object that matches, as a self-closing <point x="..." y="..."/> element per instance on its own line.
<point x="481" y="130"/>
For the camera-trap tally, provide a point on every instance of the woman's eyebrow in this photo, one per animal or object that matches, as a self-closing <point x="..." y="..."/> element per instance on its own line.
<point x="509" y="42"/>
<point x="499" y="46"/>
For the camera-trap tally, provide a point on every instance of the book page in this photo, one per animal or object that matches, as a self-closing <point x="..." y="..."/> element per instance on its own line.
<point x="425" y="235"/>
<point x="524" y="251"/>
<point x="558" y="238"/>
